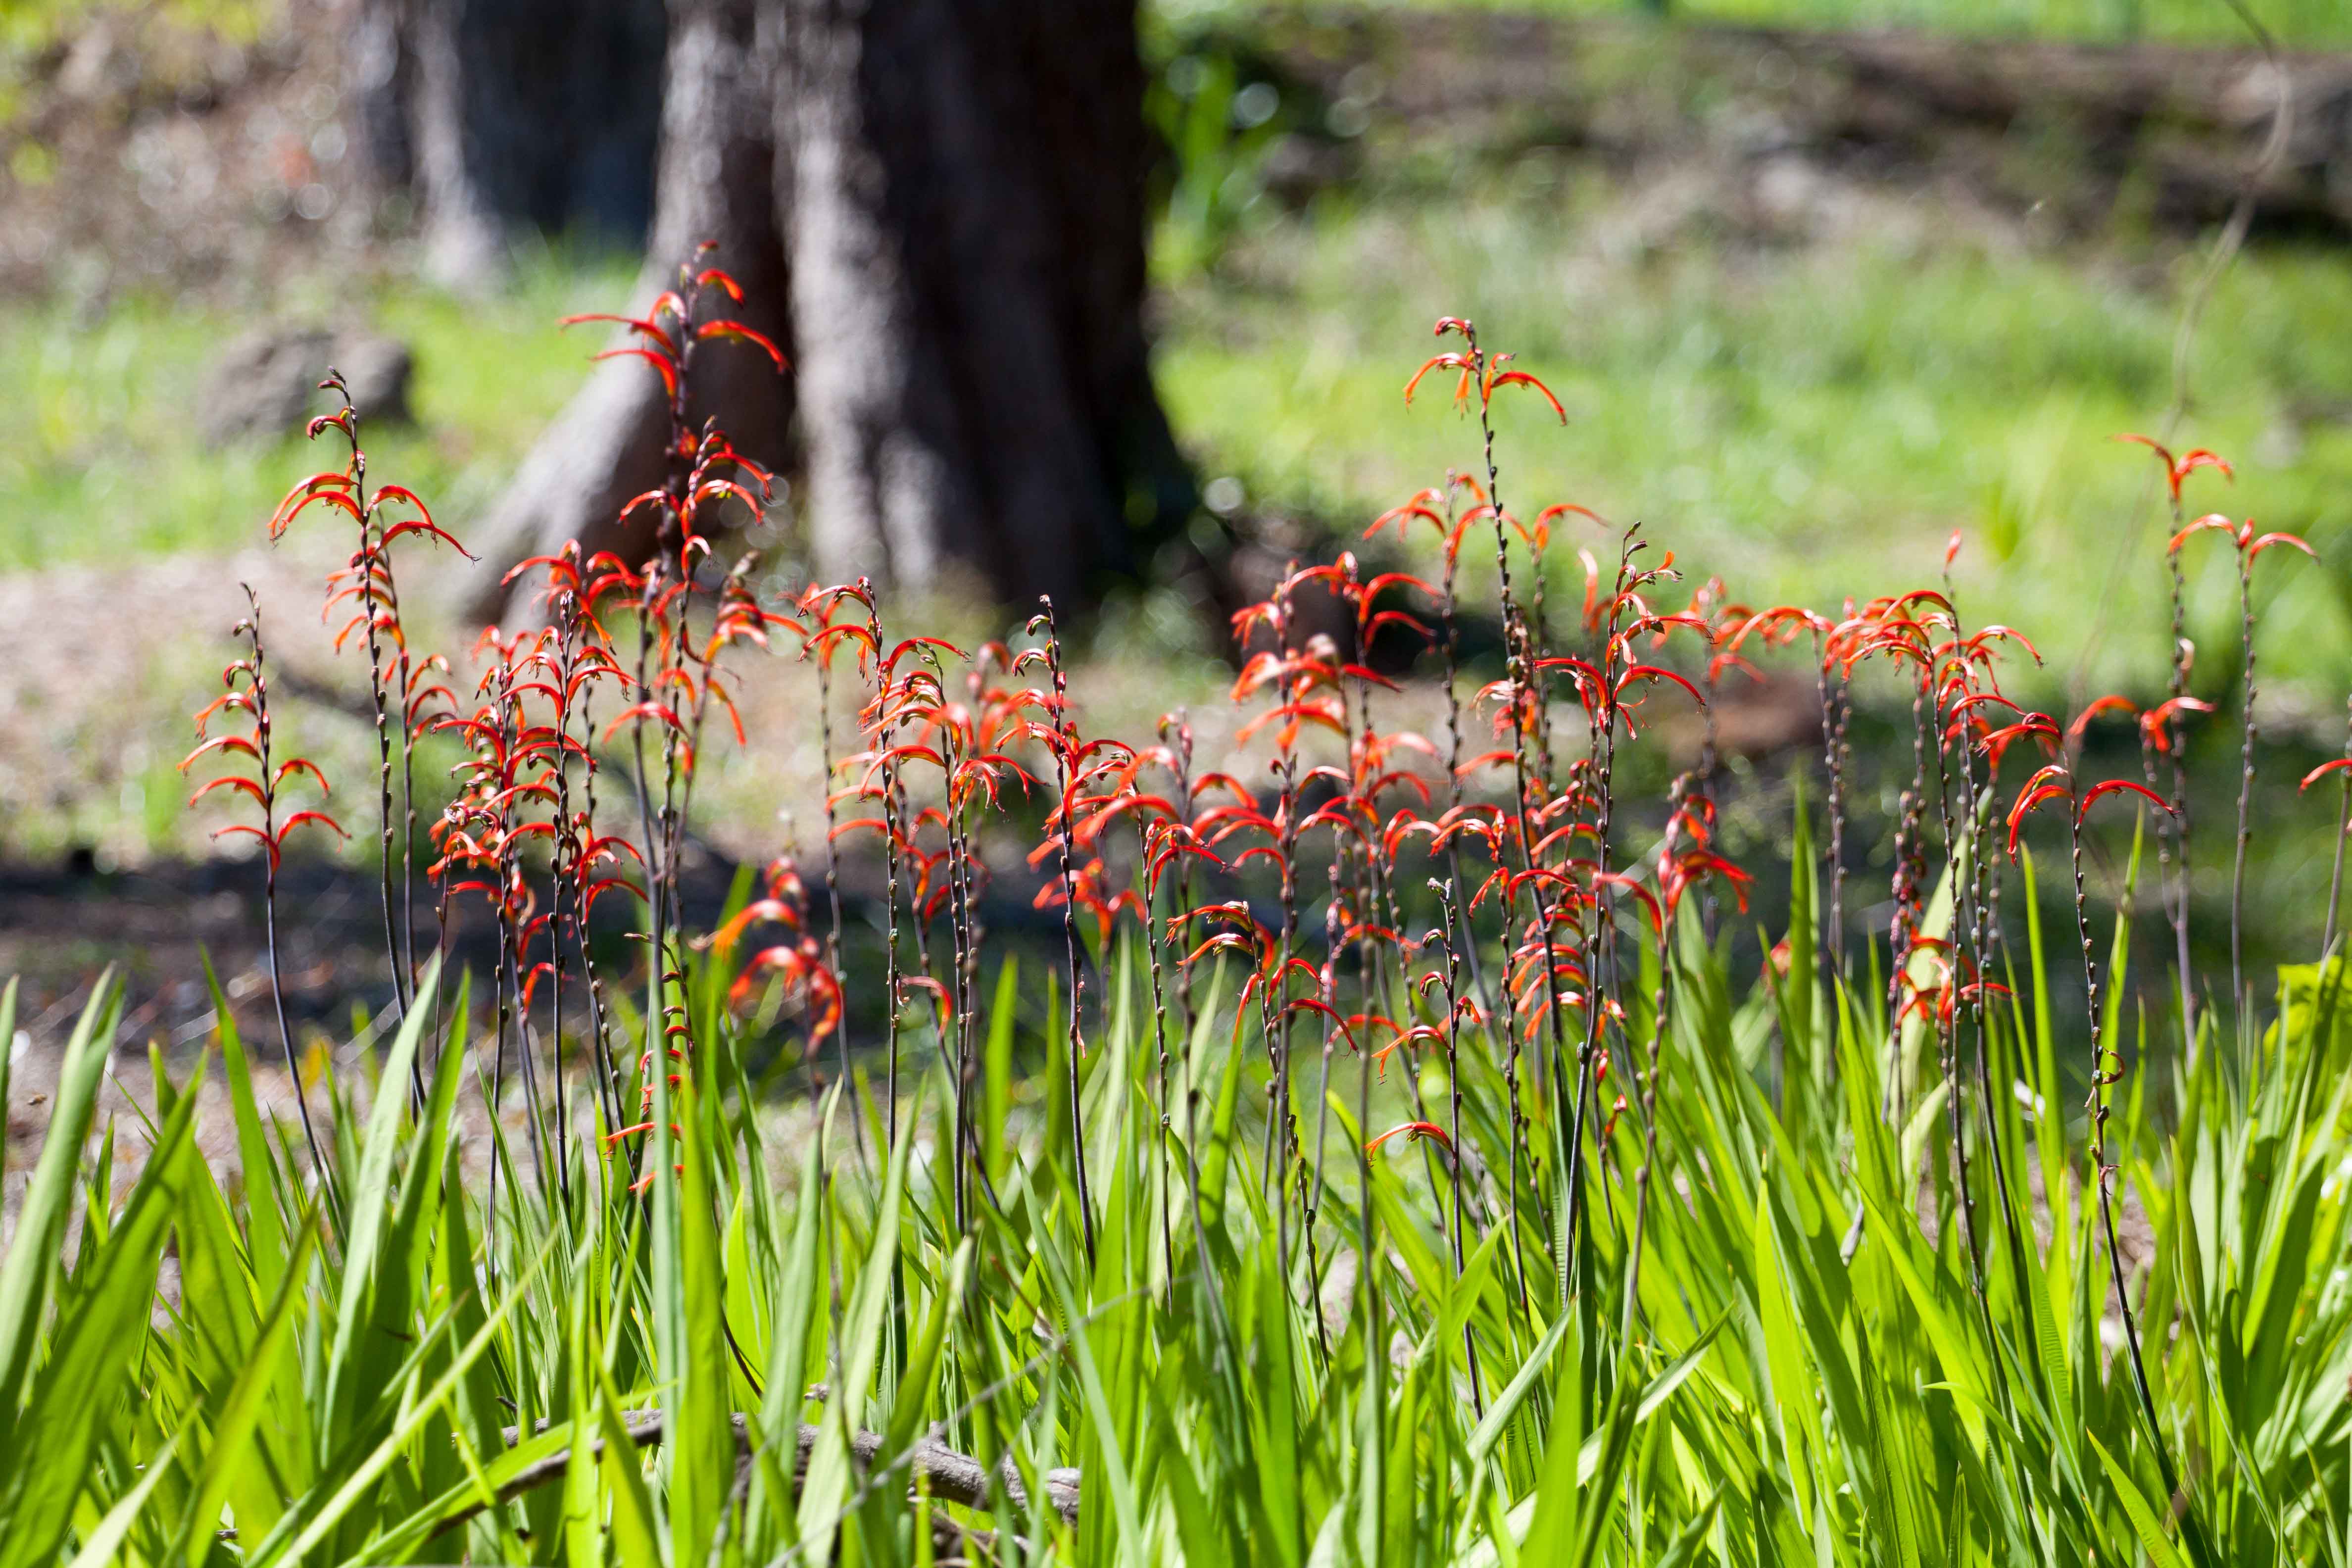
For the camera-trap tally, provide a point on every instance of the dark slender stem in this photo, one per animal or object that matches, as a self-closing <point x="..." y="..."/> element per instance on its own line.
<point x="1310" y="1191"/>
<point x="608" y="1090"/>
<point x="259" y="688"/>
<point x="378" y="599"/>
<point x="1947" y="1016"/>
<point x="2245" y="783"/>
<point x="1067" y="730"/>
<point x="1519" y="654"/>
<point x="1604" y="765"/>
<point x="407" y="955"/>
<point x="1282" y="1140"/>
<point x="1160" y="1041"/>
<point x="2102" y="1077"/>
<point x="1481" y="985"/>
<point x="893" y="830"/>
<point x="2177" y="821"/>
<point x="959" y="1060"/>
<point x="2181" y="802"/>
<point x="1659" y="1005"/>
<point x="1369" y="1256"/>
<point x="2342" y="826"/>
<point x="510" y="939"/>
<point x="1833" y="706"/>
<point x="832" y="870"/>
<point x="1970" y="923"/>
<point x="1454" y="1122"/>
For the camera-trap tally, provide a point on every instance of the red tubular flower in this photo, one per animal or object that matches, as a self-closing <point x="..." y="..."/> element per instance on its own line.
<point x="1412" y="1132"/>
<point x="2176" y="470"/>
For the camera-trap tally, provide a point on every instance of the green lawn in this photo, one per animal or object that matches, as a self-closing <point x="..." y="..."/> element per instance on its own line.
<point x="98" y="450"/>
<point x="1808" y="423"/>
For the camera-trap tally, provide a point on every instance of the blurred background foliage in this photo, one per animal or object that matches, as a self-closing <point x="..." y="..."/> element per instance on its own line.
<point x="1801" y="358"/>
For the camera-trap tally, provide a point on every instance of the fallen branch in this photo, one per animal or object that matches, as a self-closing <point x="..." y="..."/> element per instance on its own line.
<point x="948" y="1475"/>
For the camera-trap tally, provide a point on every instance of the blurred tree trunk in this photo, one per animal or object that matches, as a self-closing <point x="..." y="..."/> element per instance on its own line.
<point x="937" y="207"/>
<point x="715" y="183"/>
<point x="965" y="217"/>
<point x="486" y="113"/>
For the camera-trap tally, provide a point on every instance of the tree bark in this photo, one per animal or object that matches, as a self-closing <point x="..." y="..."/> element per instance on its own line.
<point x="966" y="226"/>
<point x="945" y="202"/>
<point x="489" y="114"/>
<point x="714" y="183"/>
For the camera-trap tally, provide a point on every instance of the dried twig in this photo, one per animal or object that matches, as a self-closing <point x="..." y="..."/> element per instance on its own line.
<point x="945" y="1473"/>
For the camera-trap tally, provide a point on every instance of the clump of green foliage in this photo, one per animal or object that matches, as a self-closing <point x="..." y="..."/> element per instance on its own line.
<point x="1407" y="1161"/>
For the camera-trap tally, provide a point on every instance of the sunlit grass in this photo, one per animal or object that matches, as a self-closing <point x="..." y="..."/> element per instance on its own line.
<point x="98" y="450"/>
<point x="377" y="1361"/>
<point x="1802" y="420"/>
<point x="1690" y="1238"/>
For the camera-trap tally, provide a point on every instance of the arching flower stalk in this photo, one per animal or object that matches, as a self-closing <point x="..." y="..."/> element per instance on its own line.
<point x="2249" y="547"/>
<point x="1892" y="634"/>
<point x="568" y="660"/>
<point x="2057" y="782"/>
<point x="966" y="740"/>
<point x="367" y="581"/>
<point x="494" y="826"/>
<point x="2167" y="735"/>
<point x="1293" y="675"/>
<point x="1450" y="1037"/>
<point x="1450" y="527"/>
<point x="815" y="610"/>
<point x="1374" y="772"/>
<point x="2342" y="767"/>
<point x="1476" y="368"/>
<point x="899" y="699"/>
<point x="263" y="785"/>
<point x="1960" y="848"/>
<point x="1973" y="687"/>
<point x="702" y="469"/>
<point x="1065" y="745"/>
<point x="1626" y="616"/>
<point x="1356" y="914"/>
<point x="830" y="631"/>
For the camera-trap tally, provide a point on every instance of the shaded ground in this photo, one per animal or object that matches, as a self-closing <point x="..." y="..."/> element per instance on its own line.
<point x="2083" y="137"/>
